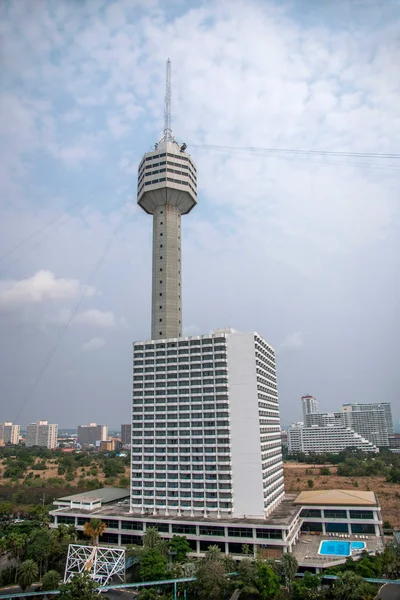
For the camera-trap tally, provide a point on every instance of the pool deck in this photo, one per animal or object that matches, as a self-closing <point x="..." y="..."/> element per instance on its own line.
<point x="306" y="550"/>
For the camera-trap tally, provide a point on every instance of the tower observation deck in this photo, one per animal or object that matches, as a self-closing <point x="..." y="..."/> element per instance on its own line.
<point x="167" y="189"/>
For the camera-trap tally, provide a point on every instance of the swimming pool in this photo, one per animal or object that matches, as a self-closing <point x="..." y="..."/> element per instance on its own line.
<point x="336" y="548"/>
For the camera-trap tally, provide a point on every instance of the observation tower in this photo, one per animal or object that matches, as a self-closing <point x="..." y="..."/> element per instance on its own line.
<point x="167" y="189"/>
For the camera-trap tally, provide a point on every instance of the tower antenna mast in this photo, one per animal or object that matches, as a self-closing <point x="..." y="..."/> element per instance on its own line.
<point x="167" y="106"/>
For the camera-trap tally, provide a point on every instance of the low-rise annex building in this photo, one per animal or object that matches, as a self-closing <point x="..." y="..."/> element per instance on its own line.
<point x="319" y="514"/>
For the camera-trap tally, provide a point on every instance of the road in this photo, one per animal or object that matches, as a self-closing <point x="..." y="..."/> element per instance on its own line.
<point x="15" y="589"/>
<point x="389" y="591"/>
<point x="120" y="595"/>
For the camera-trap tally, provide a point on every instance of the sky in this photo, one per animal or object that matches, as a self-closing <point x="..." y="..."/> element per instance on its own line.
<point x="302" y="248"/>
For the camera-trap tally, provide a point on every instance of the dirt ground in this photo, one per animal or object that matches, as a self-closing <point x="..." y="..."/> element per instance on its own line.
<point x="52" y="471"/>
<point x="297" y="475"/>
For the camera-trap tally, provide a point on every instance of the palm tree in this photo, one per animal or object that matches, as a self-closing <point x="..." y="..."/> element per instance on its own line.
<point x="3" y="544"/>
<point x="213" y="554"/>
<point x="72" y="533"/>
<point x="94" y="529"/>
<point x="27" y="573"/>
<point x="288" y="568"/>
<point x="16" y="543"/>
<point x="151" y="538"/>
<point x="350" y="586"/>
<point x="61" y="532"/>
<point x="163" y="547"/>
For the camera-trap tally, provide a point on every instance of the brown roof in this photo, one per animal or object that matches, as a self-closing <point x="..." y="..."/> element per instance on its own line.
<point x="337" y="498"/>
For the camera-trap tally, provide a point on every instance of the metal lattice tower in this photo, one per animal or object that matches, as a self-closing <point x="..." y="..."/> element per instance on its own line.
<point x="167" y="189"/>
<point x="101" y="564"/>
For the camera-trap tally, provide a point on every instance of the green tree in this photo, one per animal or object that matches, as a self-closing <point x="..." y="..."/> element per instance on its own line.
<point x="324" y="471"/>
<point x="247" y="577"/>
<point x="61" y="532"/>
<point x="72" y="532"/>
<point x="267" y="581"/>
<point x="51" y="581"/>
<point x="179" y="548"/>
<point x="40" y="548"/>
<point x="5" y="509"/>
<point x="113" y="467"/>
<point x="350" y="586"/>
<point x="151" y="538"/>
<point x="148" y="594"/>
<point x="307" y="588"/>
<point x="152" y="565"/>
<point x="310" y="483"/>
<point x="41" y="514"/>
<point x="288" y="567"/>
<point x="17" y="544"/>
<point x="211" y="582"/>
<point x="246" y="549"/>
<point x="213" y="554"/>
<point x="81" y="587"/>
<point x="27" y="573"/>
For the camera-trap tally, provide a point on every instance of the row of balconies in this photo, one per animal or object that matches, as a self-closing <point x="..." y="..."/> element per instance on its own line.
<point x="207" y="353"/>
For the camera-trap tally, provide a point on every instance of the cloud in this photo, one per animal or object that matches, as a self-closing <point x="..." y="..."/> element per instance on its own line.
<point x="293" y="340"/>
<point x="96" y="318"/>
<point x="94" y="344"/>
<point x="276" y="244"/>
<point x="41" y="287"/>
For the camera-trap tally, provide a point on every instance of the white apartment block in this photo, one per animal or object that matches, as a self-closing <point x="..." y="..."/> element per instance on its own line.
<point x="310" y="406"/>
<point x="9" y="433"/>
<point x="42" y="434"/>
<point x="329" y="438"/>
<point x="205" y="427"/>
<point x="373" y="421"/>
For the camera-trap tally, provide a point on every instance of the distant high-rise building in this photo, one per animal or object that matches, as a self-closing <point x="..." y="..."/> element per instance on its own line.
<point x="373" y="421"/>
<point x="126" y="434"/>
<point x="310" y="406"/>
<point x="9" y="433"/>
<point x="328" y="438"/>
<point x="42" y="434"/>
<point x="89" y="435"/>
<point x="394" y="441"/>
<point x="322" y="419"/>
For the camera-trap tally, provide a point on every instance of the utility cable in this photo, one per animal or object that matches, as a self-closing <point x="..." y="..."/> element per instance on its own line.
<point x="50" y="225"/>
<point x="298" y="151"/>
<point x="74" y="310"/>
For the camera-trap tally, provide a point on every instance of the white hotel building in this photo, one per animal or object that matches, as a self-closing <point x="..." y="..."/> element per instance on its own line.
<point x="205" y="427"/>
<point x="206" y="457"/>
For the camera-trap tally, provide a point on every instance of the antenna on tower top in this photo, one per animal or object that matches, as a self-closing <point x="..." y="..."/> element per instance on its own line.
<point x="167" y="107"/>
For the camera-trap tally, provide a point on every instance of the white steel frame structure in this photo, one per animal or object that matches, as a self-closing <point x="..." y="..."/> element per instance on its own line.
<point x="99" y="562"/>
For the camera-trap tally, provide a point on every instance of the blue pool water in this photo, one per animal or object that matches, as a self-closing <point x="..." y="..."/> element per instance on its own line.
<point x="337" y="548"/>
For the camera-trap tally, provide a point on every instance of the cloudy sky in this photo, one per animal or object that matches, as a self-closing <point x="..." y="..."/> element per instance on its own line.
<point x="302" y="248"/>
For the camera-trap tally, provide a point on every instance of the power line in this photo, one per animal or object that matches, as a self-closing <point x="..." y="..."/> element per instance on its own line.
<point x="50" y="225"/>
<point x="297" y="151"/>
<point x="74" y="310"/>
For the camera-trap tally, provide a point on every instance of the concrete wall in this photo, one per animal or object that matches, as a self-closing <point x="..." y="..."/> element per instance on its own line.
<point x="244" y="426"/>
<point x="166" y="284"/>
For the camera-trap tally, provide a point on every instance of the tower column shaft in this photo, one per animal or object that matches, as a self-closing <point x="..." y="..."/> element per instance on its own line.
<point x="166" y="316"/>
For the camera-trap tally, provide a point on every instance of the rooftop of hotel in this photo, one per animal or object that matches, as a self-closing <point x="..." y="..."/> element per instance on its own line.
<point x="104" y="494"/>
<point x="282" y="516"/>
<point x="336" y="498"/>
